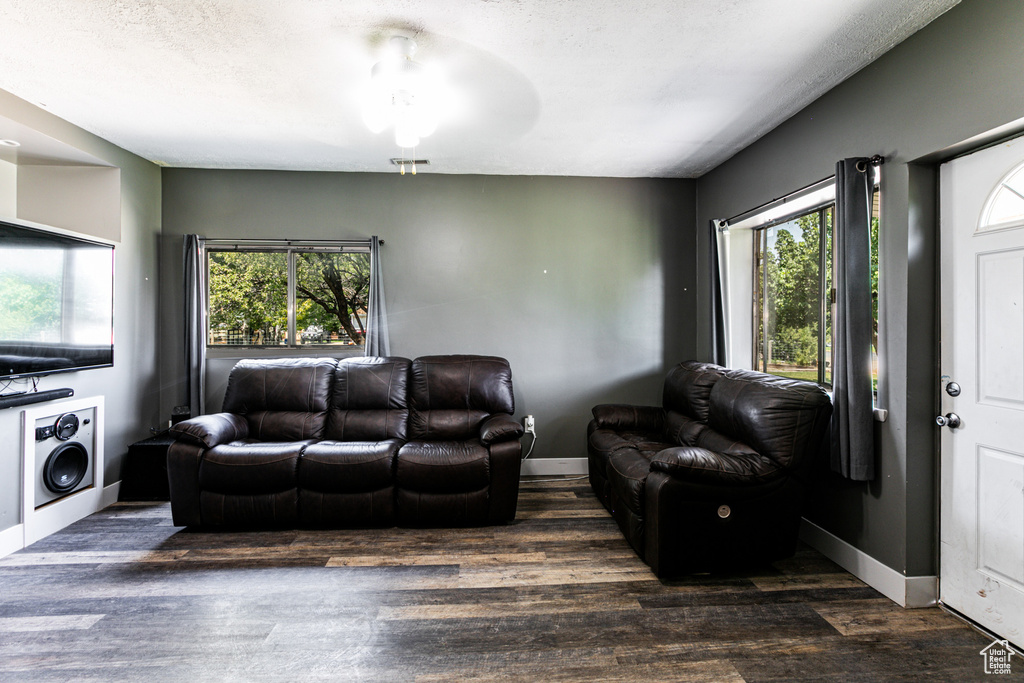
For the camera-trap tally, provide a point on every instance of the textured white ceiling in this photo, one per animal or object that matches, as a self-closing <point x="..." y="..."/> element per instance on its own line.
<point x="545" y="87"/>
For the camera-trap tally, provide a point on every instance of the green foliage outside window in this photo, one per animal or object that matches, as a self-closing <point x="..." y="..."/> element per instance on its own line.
<point x="792" y="316"/>
<point x="333" y="292"/>
<point x="248" y="297"/>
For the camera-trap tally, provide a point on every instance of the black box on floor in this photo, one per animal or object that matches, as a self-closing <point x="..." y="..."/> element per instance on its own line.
<point x="144" y="476"/>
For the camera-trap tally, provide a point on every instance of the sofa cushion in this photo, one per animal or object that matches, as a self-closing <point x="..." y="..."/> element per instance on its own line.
<point x="451" y="395"/>
<point x="682" y="430"/>
<point x="720" y="443"/>
<point x="348" y="466"/>
<point x="369" y="401"/>
<point x="621" y="417"/>
<point x="688" y="388"/>
<point x="247" y="467"/>
<point x="443" y="466"/>
<point x="281" y="399"/>
<point x="780" y="418"/>
<point x="608" y="442"/>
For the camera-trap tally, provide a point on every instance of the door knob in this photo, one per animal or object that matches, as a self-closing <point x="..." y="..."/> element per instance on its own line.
<point x="951" y="420"/>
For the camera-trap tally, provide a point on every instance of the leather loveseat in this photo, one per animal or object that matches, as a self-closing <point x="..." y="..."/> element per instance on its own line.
<point x="361" y="441"/>
<point x="715" y="478"/>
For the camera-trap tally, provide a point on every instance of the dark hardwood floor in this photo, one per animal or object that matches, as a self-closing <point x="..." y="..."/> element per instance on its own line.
<point x="556" y="596"/>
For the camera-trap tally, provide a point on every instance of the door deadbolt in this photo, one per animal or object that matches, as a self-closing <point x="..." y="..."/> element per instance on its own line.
<point x="951" y="420"/>
<point x="953" y="389"/>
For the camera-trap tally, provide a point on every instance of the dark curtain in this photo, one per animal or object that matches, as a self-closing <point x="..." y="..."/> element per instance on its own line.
<point x="718" y="340"/>
<point x="377" y="340"/>
<point x="195" y="326"/>
<point x="853" y="453"/>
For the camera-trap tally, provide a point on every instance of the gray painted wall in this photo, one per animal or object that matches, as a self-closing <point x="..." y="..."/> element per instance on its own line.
<point x="130" y="387"/>
<point x="584" y="284"/>
<point x="955" y="79"/>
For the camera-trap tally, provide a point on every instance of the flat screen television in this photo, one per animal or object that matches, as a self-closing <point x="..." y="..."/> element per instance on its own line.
<point x="56" y="302"/>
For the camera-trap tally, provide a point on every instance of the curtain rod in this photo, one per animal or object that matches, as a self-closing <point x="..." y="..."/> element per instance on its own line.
<point x="876" y="160"/>
<point x="743" y="215"/>
<point x="286" y="242"/>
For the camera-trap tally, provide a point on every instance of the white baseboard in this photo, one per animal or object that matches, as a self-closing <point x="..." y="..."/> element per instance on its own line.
<point x="906" y="591"/>
<point x="109" y="495"/>
<point x="12" y="540"/>
<point x="554" y="466"/>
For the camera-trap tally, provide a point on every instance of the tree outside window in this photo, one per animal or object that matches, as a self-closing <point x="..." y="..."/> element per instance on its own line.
<point x="794" y="275"/>
<point x="288" y="297"/>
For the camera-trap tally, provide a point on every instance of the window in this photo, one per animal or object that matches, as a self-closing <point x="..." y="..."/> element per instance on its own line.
<point x="793" y="297"/>
<point x="1005" y="208"/>
<point x="793" y="318"/>
<point x="287" y="294"/>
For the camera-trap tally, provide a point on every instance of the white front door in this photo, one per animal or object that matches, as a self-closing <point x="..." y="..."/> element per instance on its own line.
<point x="981" y="570"/>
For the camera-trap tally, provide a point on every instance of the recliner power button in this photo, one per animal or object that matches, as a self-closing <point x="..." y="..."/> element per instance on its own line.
<point x="724" y="511"/>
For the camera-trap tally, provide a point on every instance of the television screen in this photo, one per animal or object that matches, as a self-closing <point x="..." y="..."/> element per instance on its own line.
<point x="56" y="302"/>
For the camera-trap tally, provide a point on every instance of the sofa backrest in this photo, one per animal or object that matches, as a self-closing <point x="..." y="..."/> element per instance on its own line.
<point x="780" y="418"/>
<point x="369" y="401"/>
<point x="281" y="399"/>
<point x="451" y="395"/>
<point x="688" y="388"/>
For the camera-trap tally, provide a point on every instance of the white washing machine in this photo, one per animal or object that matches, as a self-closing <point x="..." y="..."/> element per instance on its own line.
<point x="65" y="448"/>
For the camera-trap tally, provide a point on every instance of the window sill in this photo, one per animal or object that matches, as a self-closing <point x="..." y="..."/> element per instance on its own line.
<point x="311" y="351"/>
<point x="879" y="414"/>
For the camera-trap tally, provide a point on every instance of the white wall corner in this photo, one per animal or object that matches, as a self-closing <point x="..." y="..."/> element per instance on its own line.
<point x="554" y="467"/>
<point x="906" y="591"/>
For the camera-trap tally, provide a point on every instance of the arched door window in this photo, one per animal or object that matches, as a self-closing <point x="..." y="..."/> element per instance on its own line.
<point x="1005" y="206"/>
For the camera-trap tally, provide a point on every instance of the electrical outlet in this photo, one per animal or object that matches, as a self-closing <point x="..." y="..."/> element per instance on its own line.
<point x="528" y="425"/>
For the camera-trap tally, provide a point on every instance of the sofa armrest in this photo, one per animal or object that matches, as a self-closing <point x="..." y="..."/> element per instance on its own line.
<point x="621" y="417"/>
<point x="211" y="430"/>
<point x="500" y="427"/>
<point x="700" y="464"/>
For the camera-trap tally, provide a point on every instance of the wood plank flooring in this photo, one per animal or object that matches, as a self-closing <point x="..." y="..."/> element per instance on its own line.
<point x="555" y="596"/>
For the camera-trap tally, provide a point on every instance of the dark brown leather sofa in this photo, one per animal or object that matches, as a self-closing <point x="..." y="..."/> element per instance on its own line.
<point x="714" y="479"/>
<point x="354" y="442"/>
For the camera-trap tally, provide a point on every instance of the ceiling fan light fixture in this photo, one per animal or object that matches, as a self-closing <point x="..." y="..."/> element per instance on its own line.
<point x="401" y="95"/>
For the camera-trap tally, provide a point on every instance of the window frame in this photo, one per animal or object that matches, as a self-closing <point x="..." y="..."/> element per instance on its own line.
<point x="292" y="248"/>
